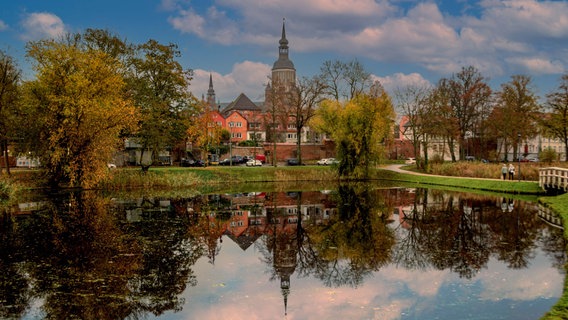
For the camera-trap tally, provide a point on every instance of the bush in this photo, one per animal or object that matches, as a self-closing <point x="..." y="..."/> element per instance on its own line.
<point x="548" y="155"/>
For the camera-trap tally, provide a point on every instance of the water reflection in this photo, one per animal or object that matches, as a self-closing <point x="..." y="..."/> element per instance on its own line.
<point x="356" y="252"/>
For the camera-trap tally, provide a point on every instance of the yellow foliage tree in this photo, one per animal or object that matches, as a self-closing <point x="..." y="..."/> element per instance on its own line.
<point x="78" y="105"/>
<point x="358" y="127"/>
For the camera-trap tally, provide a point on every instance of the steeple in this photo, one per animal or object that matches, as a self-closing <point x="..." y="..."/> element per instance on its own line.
<point x="283" y="61"/>
<point x="283" y="71"/>
<point x="211" y="92"/>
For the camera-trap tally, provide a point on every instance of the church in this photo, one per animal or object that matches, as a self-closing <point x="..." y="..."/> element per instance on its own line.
<point x="266" y="123"/>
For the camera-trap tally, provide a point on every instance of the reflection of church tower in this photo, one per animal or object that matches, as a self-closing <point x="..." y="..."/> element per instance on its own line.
<point x="285" y="260"/>
<point x="211" y="92"/>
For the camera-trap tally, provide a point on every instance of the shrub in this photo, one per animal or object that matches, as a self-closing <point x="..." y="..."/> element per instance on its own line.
<point x="548" y="155"/>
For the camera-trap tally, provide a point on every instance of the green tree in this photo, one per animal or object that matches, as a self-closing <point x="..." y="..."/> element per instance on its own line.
<point x="78" y="109"/>
<point x="358" y="128"/>
<point x="160" y="87"/>
<point x="9" y="82"/>
<point x="557" y="103"/>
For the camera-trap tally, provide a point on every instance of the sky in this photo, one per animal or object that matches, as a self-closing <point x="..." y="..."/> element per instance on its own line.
<point x="400" y="42"/>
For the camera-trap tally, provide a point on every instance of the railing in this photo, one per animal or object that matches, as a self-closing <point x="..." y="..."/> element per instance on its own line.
<point x="553" y="178"/>
<point x="550" y="216"/>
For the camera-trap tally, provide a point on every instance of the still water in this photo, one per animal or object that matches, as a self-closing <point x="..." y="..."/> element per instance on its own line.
<point x="356" y="252"/>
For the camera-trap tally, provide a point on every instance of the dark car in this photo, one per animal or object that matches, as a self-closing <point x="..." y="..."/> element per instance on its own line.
<point x="238" y="159"/>
<point x="292" y="162"/>
<point x="225" y="162"/>
<point x="192" y="163"/>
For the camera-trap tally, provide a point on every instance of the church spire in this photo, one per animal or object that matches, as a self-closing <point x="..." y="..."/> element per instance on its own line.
<point x="211" y="92"/>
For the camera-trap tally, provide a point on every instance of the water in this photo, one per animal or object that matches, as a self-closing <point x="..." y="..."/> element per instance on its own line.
<point x="357" y="252"/>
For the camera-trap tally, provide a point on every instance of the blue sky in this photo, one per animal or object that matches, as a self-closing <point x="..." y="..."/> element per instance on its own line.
<point x="400" y="42"/>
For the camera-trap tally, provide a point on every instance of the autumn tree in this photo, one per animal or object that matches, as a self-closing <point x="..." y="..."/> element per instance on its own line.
<point x="468" y="94"/>
<point x="160" y="88"/>
<point x="9" y="82"/>
<point x="358" y="127"/>
<point x="557" y="103"/>
<point x="517" y="104"/>
<point x="78" y="109"/>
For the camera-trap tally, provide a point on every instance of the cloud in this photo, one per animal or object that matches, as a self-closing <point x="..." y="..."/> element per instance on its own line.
<point x="246" y="77"/>
<point x="42" y="25"/>
<point x="398" y="81"/>
<point x="398" y="32"/>
<point x="3" y="25"/>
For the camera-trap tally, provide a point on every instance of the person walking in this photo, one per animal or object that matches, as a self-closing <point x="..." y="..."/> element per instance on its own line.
<point x="511" y="171"/>
<point x="504" y="171"/>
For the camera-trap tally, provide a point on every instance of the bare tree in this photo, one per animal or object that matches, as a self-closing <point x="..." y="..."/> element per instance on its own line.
<point x="557" y="102"/>
<point x="9" y="81"/>
<point x="345" y="80"/>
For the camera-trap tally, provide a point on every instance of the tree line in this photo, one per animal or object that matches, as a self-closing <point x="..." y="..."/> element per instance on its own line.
<point x="93" y="90"/>
<point x="463" y="107"/>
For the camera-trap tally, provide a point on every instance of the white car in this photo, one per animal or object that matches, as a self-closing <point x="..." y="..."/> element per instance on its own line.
<point x="327" y="161"/>
<point x="411" y="161"/>
<point x="254" y="163"/>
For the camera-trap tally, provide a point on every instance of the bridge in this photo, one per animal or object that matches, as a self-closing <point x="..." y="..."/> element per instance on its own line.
<point x="553" y="179"/>
<point x="549" y="216"/>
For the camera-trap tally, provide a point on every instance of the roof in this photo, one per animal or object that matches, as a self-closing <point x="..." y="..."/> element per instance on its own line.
<point x="242" y="102"/>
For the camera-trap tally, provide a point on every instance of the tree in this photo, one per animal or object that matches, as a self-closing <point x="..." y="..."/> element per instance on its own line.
<point x="469" y="93"/>
<point x="160" y="87"/>
<point x="305" y="96"/>
<point x="517" y="104"/>
<point x="9" y="82"/>
<point x="275" y="117"/>
<point x="411" y="100"/>
<point x="358" y="127"/>
<point x="78" y="109"/>
<point x="557" y="124"/>
<point x="344" y="80"/>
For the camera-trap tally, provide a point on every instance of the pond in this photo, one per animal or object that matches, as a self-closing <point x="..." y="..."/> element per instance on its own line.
<point x="352" y="252"/>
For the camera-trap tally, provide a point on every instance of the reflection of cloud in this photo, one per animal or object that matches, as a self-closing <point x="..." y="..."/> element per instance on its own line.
<point x="519" y="285"/>
<point x="238" y="287"/>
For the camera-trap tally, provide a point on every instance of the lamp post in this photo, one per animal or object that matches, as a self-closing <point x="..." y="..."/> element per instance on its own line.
<point x="519" y="155"/>
<point x="231" y="144"/>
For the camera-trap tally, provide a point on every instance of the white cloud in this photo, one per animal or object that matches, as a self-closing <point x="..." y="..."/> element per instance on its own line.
<point x="398" y="81"/>
<point x="41" y="25"/>
<point x="3" y="25"/>
<point x="536" y="65"/>
<point x="246" y="77"/>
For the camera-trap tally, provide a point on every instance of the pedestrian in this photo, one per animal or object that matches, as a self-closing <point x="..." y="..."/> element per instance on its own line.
<point x="504" y="171"/>
<point x="511" y="171"/>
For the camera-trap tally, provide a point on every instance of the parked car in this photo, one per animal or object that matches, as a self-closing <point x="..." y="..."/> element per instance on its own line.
<point x="410" y="161"/>
<point x="192" y="163"/>
<point x="327" y="161"/>
<point x="261" y="158"/>
<point x="293" y="162"/>
<point x="469" y="158"/>
<point x="225" y="162"/>
<point x="111" y="165"/>
<point x="254" y="163"/>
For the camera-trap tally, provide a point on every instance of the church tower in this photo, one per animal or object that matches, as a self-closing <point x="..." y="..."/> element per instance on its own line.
<point x="211" y="92"/>
<point x="283" y="71"/>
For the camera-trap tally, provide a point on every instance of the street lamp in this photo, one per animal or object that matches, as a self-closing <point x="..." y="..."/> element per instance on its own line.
<point x="519" y="155"/>
<point x="231" y="144"/>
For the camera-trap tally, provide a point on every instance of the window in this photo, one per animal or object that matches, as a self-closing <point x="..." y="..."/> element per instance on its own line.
<point x="292" y="136"/>
<point x="239" y="124"/>
<point x="291" y="126"/>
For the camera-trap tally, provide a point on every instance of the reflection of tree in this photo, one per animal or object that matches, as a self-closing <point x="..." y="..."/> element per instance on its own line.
<point x="356" y="241"/>
<point x="83" y="263"/>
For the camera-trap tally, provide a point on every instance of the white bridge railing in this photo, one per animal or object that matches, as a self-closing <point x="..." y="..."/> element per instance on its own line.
<point x="553" y="178"/>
